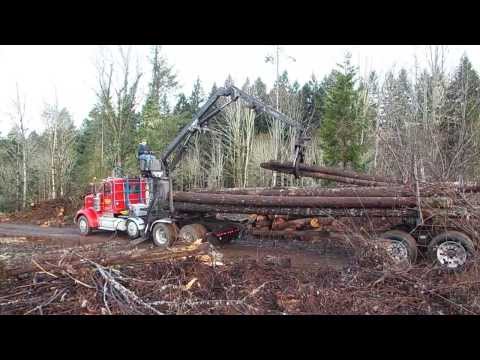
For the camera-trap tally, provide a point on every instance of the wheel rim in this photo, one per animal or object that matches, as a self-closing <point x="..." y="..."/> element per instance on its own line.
<point x="83" y="226"/>
<point x="397" y="250"/>
<point x="132" y="229"/>
<point x="160" y="236"/>
<point x="451" y="254"/>
<point x="188" y="237"/>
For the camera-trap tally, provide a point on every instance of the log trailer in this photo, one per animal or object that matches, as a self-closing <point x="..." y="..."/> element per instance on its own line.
<point x="143" y="206"/>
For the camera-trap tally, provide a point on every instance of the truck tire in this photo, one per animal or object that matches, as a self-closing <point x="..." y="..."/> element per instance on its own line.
<point x="163" y="235"/>
<point x="451" y="250"/>
<point x="133" y="231"/>
<point x="193" y="232"/>
<point x="84" y="226"/>
<point x="402" y="245"/>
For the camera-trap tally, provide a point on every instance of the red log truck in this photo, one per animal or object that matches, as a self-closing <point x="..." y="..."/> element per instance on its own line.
<point x="143" y="206"/>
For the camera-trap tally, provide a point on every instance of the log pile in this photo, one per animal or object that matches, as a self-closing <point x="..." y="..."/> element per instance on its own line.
<point x="313" y="208"/>
<point x="328" y="173"/>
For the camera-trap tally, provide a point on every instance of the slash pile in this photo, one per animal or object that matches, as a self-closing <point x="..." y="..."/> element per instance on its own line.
<point x="55" y="213"/>
<point x="189" y="286"/>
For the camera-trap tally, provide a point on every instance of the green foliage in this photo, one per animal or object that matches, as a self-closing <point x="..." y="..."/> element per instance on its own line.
<point x="342" y="123"/>
<point x="182" y="105"/>
<point x="312" y="96"/>
<point x="461" y="116"/>
<point x="259" y="90"/>
<point x="197" y="97"/>
<point x="162" y="83"/>
<point x="88" y="164"/>
<point x="155" y="115"/>
<point x="214" y="90"/>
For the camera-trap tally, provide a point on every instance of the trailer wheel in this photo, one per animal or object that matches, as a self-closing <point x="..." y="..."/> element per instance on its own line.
<point x="163" y="235"/>
<point x="193" y="232"/>
<point x="83" y="226"/>
<point x="401" y="246"/>
<point x="132" y="230"/>
<point x="451" y="249"/>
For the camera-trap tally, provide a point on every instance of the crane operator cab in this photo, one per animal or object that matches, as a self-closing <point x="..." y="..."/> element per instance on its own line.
<point x="151" y="168"/>
<point x="149" y="165"/>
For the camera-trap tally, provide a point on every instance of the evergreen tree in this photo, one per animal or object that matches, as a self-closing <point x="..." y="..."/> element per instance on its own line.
<point x="89" y="162"/>
<point x="460" y="125"/>
<point x="182" y="105"/>
<point x="214" y="90"/>
<point x="312" y="95"/>
<point x="164" y="105"/>
<point x="197" y="97"/>
<point x="229" y="81"/>
<point x="342" y="125"/>
<point x="259" y="90"/>
<point x="246" y="85"/>
<point x="156" y="108"/>
<point x="283" y="81"/>
<point x="295" y="87"/>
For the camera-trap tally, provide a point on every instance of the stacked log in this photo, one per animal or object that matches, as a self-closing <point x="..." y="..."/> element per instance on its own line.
<point x="362" y="202"/>
<point x="328" y="173"/>
<point x="311" y="208"/>
<point x="301" y="212"/>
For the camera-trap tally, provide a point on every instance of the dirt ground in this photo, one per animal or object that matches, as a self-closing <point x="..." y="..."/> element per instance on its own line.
<point x="252" y="276"/>
<point x="244" y="279"/>
<point x="69" y="236"/>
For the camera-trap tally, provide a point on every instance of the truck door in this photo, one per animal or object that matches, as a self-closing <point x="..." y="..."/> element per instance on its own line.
<point x="107" y="197"/>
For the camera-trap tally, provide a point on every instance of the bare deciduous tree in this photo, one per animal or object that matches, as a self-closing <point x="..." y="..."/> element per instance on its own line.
<point x="20" y="122"/>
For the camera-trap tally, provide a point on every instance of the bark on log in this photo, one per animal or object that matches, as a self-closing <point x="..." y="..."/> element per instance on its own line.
<point x="388" y="191"/>
<point x="317" y="212"/>
<point x="296" y="201"/>
<point x="288" y="166"/>
<point x="426" y="190"/>
<point x="12" y="266"/>
<point x="335" y="178"/>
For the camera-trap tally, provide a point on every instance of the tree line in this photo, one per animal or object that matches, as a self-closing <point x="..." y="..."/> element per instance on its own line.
<point x="422" y="124"/>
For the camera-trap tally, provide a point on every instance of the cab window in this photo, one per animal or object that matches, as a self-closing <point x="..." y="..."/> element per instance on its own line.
<point x="135" y="189"/>
<point x="107" y="188"/>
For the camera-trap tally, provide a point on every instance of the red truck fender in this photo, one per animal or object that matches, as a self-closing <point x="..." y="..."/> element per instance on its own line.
<point x="91" y="216"/>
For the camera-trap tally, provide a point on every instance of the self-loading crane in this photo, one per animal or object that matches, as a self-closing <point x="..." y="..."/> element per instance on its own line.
<point x="159" y="170"/>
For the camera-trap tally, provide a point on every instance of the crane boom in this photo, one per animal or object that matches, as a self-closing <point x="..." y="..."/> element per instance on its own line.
<point x="179" y="145"/>
<point x="159" y="170"/>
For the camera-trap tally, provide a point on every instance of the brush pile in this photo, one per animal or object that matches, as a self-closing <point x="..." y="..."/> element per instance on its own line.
<point x="18" y="256"/>
<point x="55" y="213"/>
<point x="247" y="286"/>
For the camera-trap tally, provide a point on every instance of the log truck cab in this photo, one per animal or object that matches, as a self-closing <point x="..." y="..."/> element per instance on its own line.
<point x="114" y="204"/>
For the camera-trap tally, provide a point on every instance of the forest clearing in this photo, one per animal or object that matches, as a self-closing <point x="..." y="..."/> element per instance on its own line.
<point x="357" y="194"/>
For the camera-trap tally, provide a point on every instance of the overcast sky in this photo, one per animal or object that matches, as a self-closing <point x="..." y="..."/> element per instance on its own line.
<point x="70" y="71"/>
